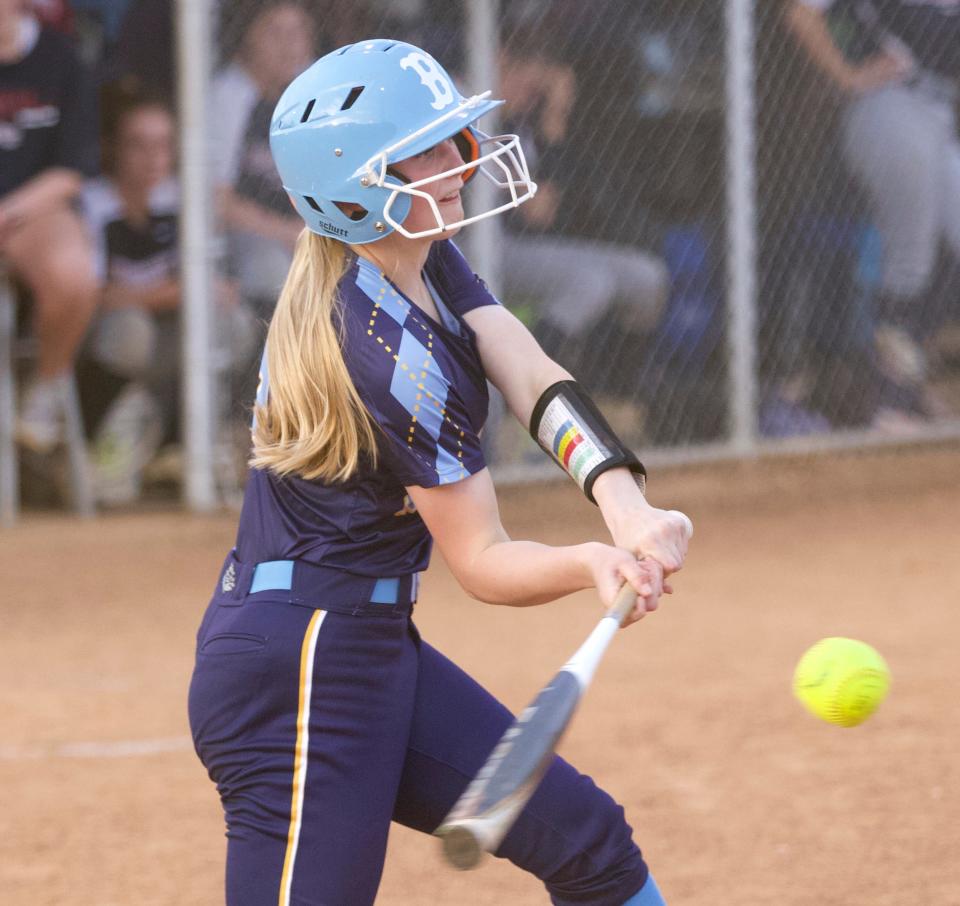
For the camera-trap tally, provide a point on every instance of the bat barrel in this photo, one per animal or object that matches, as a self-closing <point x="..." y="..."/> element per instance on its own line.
<point x="487" y="809"/>
<point x="461" y="847"/>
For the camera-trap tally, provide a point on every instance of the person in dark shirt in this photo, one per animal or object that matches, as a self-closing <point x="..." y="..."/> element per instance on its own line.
<point x="142" y="61"/>
<point x="48" y="143"/>
<point x="58" y="14"/>
<point x="576" y="282"/>
<point x="261" y="227"/>
<point x="898" y="72"/>
<point x="315" y="705"/>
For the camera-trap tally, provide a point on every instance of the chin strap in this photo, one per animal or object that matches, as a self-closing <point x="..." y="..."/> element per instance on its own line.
<point x="568" y="425"/>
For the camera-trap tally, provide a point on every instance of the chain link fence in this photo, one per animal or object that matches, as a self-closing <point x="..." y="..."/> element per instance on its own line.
<point x="859" y="185"/>
<point x="742" y="241"/>
<point x="618" y="265"/>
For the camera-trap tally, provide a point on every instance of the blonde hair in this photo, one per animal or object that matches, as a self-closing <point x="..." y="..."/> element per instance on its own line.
<point x="314" y="423"/>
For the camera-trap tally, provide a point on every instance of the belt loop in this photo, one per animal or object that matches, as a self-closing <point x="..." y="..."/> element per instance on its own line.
<point x="272" y="575"/>
<point x="385" y="591"/>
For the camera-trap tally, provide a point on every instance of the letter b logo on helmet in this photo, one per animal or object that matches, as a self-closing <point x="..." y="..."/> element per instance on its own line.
<point x="432" y="77"/>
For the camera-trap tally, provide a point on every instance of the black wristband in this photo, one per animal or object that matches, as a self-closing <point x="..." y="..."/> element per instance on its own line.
<point x="567" y="424"/>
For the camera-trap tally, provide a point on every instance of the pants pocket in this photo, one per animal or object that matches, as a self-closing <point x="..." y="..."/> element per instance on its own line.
<point x="232" y="643"/>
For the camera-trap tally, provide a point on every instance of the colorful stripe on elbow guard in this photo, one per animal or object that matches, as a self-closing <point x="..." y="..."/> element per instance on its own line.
<point x="567" y="425"/>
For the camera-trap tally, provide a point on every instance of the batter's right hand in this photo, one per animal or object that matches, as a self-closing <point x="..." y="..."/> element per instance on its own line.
<point x="612" y="566"/>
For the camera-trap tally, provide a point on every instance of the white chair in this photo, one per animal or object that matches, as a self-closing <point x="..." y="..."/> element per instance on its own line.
<point x="12" y="351"/>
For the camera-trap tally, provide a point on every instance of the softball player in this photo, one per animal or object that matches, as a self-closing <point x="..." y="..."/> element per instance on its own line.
<point x="315" y="706"/>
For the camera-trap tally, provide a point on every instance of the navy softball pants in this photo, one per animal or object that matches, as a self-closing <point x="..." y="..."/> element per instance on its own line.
<point x="321" y="727"/>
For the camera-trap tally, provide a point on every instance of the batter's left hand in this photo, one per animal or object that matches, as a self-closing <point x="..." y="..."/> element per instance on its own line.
<point x="642" y="529"/>
<point x="647" y="531"/>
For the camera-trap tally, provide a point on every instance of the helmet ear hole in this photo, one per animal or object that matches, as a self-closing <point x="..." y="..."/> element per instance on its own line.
<point x="469" y="149"/>
<point x="353" y="210"/>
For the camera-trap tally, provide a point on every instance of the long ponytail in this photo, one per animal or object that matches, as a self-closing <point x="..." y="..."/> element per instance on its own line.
<point x="314" y="423"/>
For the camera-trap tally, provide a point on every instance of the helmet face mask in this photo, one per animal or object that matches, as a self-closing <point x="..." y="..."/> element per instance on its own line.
<point x="340" y="127"/>
<point x="505" y="156"/>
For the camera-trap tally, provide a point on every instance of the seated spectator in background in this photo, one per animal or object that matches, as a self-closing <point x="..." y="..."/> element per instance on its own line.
<point x="48" y="143"/>
<point x="337" y="24"/>
<point x="131" y="362"/>
<point x="575" y="281"/>
<point x="143" y="58"/>
<point x="95" y="26"/>
<point x="56" y="14"/>
<point x="899" y="140"/>
<point x="261" y="225"/>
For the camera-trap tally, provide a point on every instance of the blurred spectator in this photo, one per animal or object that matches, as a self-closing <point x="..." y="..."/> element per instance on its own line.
<point x="335" y="23"/>
<point x="108" y="13"/>
<point x="56" y="14"/>
<point x="575" y="282"/>
<point x="437" y="26"/>
<point x="48" y="142"/>
<point x="897" y="68"/>
<point x="144" y="37"/>
<point x="92" y="25"/>
<point x="641" y="169"/>
<point x="96" y="27"/>
<point x="131" y="362"/>
<point x="814" y="327"/>
<point x="261" y="225"/>
<point x="143" y="58"/>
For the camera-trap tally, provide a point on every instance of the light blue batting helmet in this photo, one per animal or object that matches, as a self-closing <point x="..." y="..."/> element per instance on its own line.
<point x="340" y="124"/>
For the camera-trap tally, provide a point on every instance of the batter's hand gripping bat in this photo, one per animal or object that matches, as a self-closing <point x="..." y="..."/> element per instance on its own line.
<point x="491" y="803"/>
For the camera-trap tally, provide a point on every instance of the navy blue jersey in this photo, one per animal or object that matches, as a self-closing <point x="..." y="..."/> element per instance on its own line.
<point x="48" y="113"/>
<point x="424" y="385"/>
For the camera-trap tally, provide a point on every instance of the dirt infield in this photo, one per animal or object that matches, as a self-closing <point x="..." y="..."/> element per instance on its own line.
<point x="736" y="795"/>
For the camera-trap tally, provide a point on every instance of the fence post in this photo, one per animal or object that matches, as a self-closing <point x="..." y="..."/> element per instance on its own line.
<point x="482" y="42"/>
<point x="194" y="42"/>
<point x="741" y="225"/>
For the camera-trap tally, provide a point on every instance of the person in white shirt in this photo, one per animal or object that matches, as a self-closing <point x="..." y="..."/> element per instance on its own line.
<point x="131" y="360"/>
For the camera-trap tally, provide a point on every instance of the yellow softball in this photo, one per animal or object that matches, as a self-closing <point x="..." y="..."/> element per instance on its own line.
<point x="842" y="681"/>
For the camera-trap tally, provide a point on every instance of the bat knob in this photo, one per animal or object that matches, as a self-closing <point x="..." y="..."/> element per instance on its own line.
<point x="460" y="847"/>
